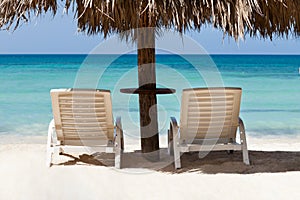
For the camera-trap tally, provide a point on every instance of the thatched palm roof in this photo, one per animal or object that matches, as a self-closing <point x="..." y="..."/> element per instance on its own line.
<point x="235" y="17"/>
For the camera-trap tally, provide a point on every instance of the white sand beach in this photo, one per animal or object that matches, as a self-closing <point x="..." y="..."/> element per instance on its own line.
<point x="140" y="50"/>
<point x="274" y="174"/>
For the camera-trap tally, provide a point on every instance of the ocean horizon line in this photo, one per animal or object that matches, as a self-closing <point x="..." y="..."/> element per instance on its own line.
<point x="167" y="54"/>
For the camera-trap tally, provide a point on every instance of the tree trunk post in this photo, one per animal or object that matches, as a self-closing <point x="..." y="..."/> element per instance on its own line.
<point x="147" y="80"/>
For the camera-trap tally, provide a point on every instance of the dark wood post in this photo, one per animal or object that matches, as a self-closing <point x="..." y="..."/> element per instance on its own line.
<point x="147" y="80"/>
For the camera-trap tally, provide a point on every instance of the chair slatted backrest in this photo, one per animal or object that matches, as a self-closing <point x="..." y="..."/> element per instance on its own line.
<point x="210" y="113"/>
<point x="82" y="117"/>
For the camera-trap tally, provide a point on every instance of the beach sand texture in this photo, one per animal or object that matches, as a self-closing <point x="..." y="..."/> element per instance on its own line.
<point x="274" y="174"/>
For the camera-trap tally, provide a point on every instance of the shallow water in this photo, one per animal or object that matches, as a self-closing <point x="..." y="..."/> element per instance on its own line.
<point x="270" y="100"/>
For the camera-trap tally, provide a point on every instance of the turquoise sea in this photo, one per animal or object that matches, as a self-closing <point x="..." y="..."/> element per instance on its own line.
<point x="270" y="101"/>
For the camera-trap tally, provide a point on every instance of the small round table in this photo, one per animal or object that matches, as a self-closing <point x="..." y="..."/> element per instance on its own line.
<point x="148" y="91"/>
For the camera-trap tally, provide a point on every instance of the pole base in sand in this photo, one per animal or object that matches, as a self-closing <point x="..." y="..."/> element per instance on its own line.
<point x="153" y="156"/>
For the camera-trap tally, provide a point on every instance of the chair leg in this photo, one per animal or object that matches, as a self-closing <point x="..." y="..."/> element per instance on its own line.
<point x="119" y="143"/>
<point x="244" y="142"/>
<point x="118" y="152"/>
<point x="177" y="161"/>
<point x="49" y="157"/>
<point x="50" y="148"/>
<point x="118" y="158"/>
<point x="170" y="142"/>
<point x="245" y="154"/>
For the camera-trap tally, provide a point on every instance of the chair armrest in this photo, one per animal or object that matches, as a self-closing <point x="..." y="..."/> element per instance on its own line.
<point x="241" y="126"/>
<point x="173" y="126"/>
<point x="174" y="123"/>
<point x="172" y="133"/>
<point x="242" y="131"/>
<point x="118" y="122"/>
<point x="51" y="134"/>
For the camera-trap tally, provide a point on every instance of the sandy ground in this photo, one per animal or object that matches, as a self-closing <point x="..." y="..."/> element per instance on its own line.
<point x="274" y="173"/>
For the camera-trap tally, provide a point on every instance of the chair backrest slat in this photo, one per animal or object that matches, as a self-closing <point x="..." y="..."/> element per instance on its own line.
<point x="210" y="113"/>
<point x="82" y="115"/>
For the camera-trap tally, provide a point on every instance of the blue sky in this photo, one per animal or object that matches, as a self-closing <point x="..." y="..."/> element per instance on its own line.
<point x="59" y="35"/>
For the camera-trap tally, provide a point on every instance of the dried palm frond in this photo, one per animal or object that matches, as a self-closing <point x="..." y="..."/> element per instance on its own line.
<point x="277" y="17"/>
<point x="235" y="17"/>
<point x="15" y="11"/>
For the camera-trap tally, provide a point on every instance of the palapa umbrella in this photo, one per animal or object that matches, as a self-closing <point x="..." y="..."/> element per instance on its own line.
<point x="263" y="18"/>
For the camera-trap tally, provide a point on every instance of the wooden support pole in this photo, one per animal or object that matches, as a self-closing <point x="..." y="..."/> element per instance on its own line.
<point x="147" y="80"/>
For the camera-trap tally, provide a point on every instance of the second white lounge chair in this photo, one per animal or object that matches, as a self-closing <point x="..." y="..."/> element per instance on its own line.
<point x="209" y="119"/>
<point x="83" y="122"/>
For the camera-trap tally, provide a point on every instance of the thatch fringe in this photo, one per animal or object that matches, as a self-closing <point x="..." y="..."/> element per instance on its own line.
<point x="235" y="17"/>
<point x="13" y="11"/>
<point x="279" y="17"/>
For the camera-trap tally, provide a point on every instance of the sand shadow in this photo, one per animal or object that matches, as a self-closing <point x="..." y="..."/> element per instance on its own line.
<point x="221" y="162"/>
<point x="93" y="159"/>
<point x="213" y="163"/>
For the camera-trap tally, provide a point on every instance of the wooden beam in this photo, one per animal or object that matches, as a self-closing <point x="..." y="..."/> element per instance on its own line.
<point x="147" y="80"/>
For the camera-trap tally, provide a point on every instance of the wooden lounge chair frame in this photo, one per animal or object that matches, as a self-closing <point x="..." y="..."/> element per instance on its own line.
<point x="83" y="122"/>
<point x="209" y="121"/>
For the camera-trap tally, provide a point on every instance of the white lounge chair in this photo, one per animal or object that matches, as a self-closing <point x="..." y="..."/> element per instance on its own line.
<point x="209" y="119"/>
<point x="83" y="122"/>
